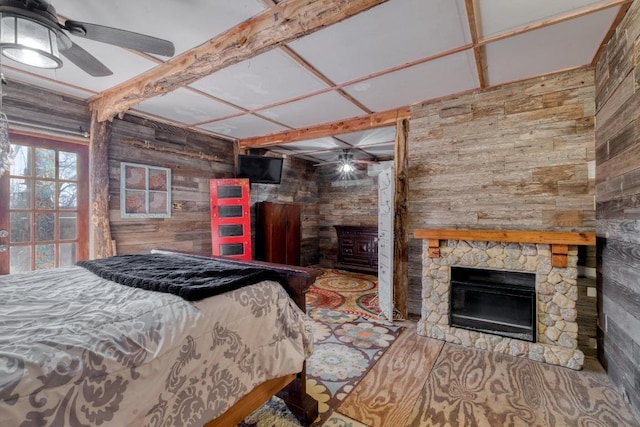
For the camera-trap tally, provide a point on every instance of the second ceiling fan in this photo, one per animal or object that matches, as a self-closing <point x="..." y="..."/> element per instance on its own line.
<point x="346" y="163"/>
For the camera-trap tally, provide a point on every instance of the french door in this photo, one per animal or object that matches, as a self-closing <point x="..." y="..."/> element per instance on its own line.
<point x="44" y="202"/>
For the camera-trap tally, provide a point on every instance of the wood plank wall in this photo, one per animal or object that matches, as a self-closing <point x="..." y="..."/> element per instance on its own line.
<point x="194" y="158"/>
<point x="343" y="202"/>
<point x="514" y="157"/>
<point x="618" y="206"/>
<point x="23" y="102"/>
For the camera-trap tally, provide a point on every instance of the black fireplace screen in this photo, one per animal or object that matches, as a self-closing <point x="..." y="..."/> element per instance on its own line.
<point x="495" y="302"/>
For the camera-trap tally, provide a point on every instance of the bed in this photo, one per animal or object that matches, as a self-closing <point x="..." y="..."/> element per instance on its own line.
<point x="79" y="349"/>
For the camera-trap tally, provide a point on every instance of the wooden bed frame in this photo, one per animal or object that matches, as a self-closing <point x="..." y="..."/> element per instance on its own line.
<point x="291" y="388"/>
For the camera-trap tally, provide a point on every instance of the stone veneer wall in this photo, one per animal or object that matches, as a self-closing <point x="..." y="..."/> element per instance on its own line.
<point x="556" y="292"/>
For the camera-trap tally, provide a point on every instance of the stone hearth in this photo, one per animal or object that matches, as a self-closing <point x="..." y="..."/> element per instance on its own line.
<point x="556" y="294"/>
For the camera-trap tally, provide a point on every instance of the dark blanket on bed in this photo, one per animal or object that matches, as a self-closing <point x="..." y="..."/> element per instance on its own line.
<point x="190" y="277"/>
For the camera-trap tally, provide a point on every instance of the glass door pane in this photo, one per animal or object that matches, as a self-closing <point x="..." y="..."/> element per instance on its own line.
<point x="46" y="218"/>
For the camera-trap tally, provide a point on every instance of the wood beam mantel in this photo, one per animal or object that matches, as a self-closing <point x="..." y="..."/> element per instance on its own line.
<point x="370" y="121"/>
<point x="559" y="240"/>
<point x="275" y="26"/>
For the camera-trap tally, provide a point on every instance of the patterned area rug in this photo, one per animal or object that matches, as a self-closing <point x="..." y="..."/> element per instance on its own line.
<point x="352" y="293"/>
<point x="348" y="341"/>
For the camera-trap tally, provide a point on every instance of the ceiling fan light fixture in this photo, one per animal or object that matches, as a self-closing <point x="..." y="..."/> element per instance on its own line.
<point x="345" y="164"/>
<point x="28" y="41"/>
<point x="346" y="168"/>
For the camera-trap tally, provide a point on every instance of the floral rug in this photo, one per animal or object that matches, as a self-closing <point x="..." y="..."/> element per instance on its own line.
<point x="348" y="340"/>
<point x="353" y="293"/>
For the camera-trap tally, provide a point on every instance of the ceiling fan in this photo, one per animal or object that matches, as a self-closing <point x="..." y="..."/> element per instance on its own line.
<point x="30" y="33"/>
<point x="346" y="163"/>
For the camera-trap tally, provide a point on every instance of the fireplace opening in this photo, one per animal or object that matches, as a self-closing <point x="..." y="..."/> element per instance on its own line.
<point x="495" y="302"/>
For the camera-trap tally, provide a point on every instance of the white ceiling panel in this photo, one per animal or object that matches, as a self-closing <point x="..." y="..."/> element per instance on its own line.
<point x="393" y="33"/>
<point x="35" y="80"/>
<point x="317" y="144"/>
<point x="243" y="127"/>
<point x="383" y="150"/>
<point x="568" y="44"/>
<point x="186" y="23"/>
<point x="263" y="80"/>
<point x="327" y="156"/>
<point x="433" y="79"/>
<point x="323" y="108"/>
<point x="370" y="137"/>
<point x="499" y="16"/>
<point x="186" y="106"/>
<point x="124" y="64"/>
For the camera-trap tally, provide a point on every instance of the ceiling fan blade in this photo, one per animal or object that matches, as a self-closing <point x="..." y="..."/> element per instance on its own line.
<point x="327" y="163"/>
<point x="366" y="161"/>
<point x="122" y="38"/>
<point x="86" y="61"/>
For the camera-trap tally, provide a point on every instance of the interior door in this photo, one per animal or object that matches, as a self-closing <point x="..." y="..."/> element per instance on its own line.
<point x="386" y="210"/>
<point x="44" y="200"/>
<point x="230" y="218"/>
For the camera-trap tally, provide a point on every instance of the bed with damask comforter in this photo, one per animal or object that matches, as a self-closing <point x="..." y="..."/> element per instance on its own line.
<point x="80" y="350"/>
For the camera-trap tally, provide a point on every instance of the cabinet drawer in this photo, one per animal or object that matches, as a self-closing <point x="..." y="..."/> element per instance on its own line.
<point x="346" y="251"/>
<point x="356" y="261"/>
<point x="346" y="241"/>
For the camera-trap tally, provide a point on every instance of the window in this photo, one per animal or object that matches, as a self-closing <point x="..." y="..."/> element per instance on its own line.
<point x="145" y="191"/>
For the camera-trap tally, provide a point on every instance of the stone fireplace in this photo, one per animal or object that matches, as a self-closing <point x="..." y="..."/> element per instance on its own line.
<point x="553" y="264"/>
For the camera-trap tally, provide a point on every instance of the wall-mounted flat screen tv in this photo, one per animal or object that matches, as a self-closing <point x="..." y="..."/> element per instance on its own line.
<point x="260" y="169"/>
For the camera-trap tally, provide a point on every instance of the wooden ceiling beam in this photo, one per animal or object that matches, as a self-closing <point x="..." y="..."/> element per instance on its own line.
<point x="274" y="27"/>
<point x="477" y="49"/>
<point x="370" y="121"/>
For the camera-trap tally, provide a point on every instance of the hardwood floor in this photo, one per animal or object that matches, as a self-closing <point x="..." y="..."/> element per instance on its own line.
<point x="425" y="382"/>
<point x="386" y="394"/>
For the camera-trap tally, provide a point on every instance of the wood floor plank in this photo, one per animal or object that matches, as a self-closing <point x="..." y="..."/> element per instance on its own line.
<point x="471" y="387"/>
<point x="386" y="396"/>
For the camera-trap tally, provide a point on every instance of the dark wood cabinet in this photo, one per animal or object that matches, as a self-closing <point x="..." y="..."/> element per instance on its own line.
<point x="357" y="248"/>
<point x="278" y="232"/>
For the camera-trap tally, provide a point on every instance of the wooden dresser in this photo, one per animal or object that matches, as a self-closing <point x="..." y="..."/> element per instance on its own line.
<point x="357" y="248"/>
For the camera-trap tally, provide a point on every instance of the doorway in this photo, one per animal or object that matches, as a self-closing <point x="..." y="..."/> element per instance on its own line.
<point x="44" y="201"/>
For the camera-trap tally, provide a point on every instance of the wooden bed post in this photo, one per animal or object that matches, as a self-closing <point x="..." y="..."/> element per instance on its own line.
<point x="303" y="406"/>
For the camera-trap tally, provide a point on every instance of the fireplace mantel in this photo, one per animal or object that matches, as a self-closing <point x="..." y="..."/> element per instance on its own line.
<point x="559" y="240"/>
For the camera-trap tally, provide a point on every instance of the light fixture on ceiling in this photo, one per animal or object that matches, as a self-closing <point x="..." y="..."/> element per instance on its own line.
<point x="29" y="41"/>
<point x="345" y="162"/>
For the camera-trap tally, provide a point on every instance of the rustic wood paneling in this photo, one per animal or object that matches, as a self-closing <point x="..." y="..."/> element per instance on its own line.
<point x="352" y="201"/>
<point x="514" y="157"/>
<point x="587" y="317"/>
<point x="22" y="102"/>
<point x="190" y="156"/>
<point x="618" y="207"/>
